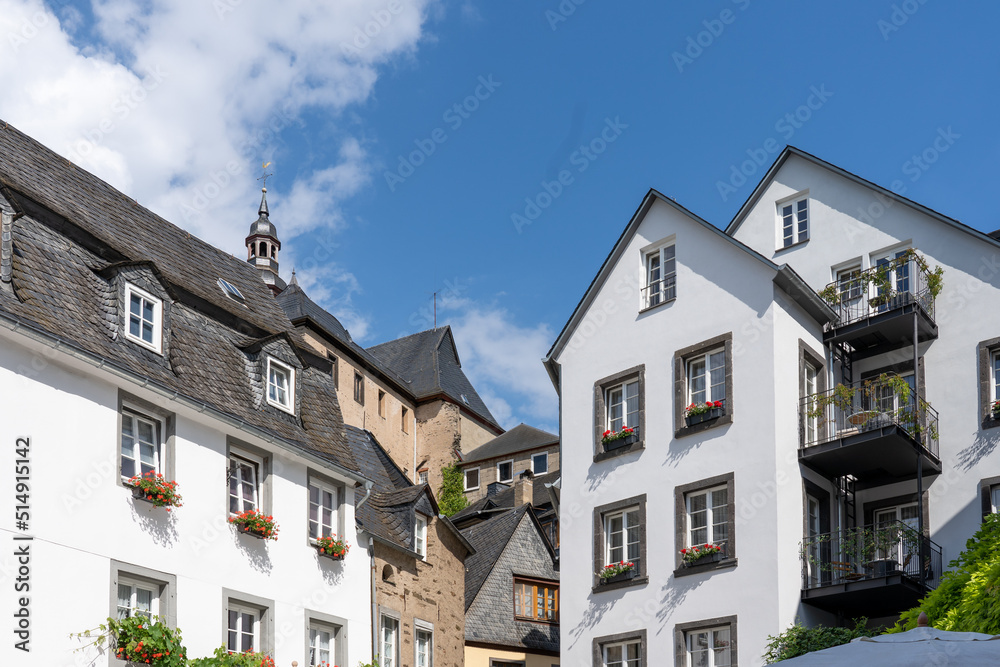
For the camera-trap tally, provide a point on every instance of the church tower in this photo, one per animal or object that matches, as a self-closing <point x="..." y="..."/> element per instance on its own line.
<point x="263" y="246"/>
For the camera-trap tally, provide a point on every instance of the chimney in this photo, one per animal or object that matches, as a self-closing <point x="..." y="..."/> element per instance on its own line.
<point x="6" y="246"/>
<point x="523" y="489"/>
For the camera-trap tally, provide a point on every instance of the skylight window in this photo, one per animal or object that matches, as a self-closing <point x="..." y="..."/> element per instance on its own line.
<point x="464" y="399"/>
<point x="231" y="291"/>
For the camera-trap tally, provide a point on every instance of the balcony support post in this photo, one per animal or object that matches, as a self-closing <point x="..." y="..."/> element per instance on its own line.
<point x="920" y="458"/>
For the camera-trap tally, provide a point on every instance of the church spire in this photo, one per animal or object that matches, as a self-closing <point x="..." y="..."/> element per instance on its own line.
<point x="263" y="245"/>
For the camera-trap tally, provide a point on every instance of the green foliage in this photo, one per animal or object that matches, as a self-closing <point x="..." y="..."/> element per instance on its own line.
<point x="223" y="658"/>
<point x="799" y="640"/>
<point x="451" y="495"/>
<point x="968" y="597"/>
<point x="141" y="640"/>
<point x="373" y="663"/>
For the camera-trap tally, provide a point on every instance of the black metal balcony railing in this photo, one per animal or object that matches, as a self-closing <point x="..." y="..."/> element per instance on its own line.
<point x="868" y="552"/>
<point x="856" y="298"/>
<point x="864" y="407"/>
<point x="659" y="292"/>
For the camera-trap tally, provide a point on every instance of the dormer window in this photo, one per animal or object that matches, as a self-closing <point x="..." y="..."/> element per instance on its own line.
<point x="420" y="536"/>
<point x="143" y="324"/>
<point x="280" y="385"/>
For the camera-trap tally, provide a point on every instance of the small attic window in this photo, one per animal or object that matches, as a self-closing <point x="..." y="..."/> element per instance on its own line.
<point x="280" y="385"/>
<point x="464" y="399"/>
<point x="144" y="321"/>
<point x="231" y="291"/>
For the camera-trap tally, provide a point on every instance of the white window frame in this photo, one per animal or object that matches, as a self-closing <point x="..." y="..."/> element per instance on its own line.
<point x="420" y="535"/>
<point x="134" y="585"/>
<point x="316" y="632"/>
<point x="422" y="476"/>
<point x="791" y="222"/>
<point x="257" y="464"/>
<point x="624" y="662"/>
<point x="663" y="288"/>
<point x="289" y="372"/>
<point x="156" y="345"/>
<point x="690" y="635"/>
<point x="136" y="414"/>
<point x="240" y="630"/>
<point x="419" y="628"/>
<point x="894" y="278"/>
<point x="534" y="468"/>
<point x="321" y="527"/>
<point x="465" y="479"/>
<point x="509" y="479"/>
<point x="709" y="528"/>
<point x="995" y="377"/>
<point x="609" y="534"/>
<point x="712" y="392"/>
<point x="995" y="498"/>
<point x="810" y="381"/>
<point x="622" y="387"/>
<point x="393" y="646"/>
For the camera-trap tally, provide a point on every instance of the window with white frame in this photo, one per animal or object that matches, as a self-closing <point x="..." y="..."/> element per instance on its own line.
<point x="422" y="476"/>
<point x="244" y="483"/>
<point x="708" y="516"/>
<point x="706" y="375"/>
<point x="709" y="647"/>
<point x="661" y="277"/>
<point x="793" y="219"/>
<point x="471" y="479"/>
<point x="140" y="444"/>
<point x="540" y="463"/>
<point x="622" y="405"/>
<point x="420" y="536"/>
<point x="136" y="598"/>
<point x="243" y="629"/>
<point x="390" y="642"/>
<point x="322" y="645"/>
<point x="505" y="471"/>
<point x="424" y="648"/>
<point x="280" y="385"/>
<point x="897" y="269"/>
<point x="995" y="498"/>
<point x="622" y="654"/>
<point x="621" y="536"/>
<point x="995" y="373"/>
<point x="323" y="509"/>
<point x="144" y="320"/>
<point x="810" y="380"/>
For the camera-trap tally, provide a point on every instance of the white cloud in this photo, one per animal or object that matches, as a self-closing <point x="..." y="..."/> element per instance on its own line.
<point x="179" y="102"/>
<point x="503" y="358"/>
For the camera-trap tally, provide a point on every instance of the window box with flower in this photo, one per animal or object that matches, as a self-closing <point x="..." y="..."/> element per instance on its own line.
<point x="617" y="439"/>
<point x="701" y="554"/>
<point x="697" y="413"/>
<point x="256" y="524"/>
<point x="154" y="488"/>
<point x="995" y="410"/>
<point x="615" y="572"/>
<point x="332" y="547"/>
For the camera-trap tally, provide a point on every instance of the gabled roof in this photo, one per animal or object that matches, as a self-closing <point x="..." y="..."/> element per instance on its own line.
<point x="789" y="151"/>
<point x="429" y="362"/>
<point x="488" y="539"/>
<point x="521" y="438"/>
<point x="802" y="293"/>
<point x="504" y="500"/>
<point x="118" y="229"/>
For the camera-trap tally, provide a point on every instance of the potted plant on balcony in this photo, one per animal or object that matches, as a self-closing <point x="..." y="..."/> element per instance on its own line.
<point x="700" y="554"/>
<point x="154" y="488"/>
<point x="697" y="413"/>
<point x="615" y="572"/>
<point x="332" y="547"/>
<point x="257" y="524"/>
<point x="622" y="438"/>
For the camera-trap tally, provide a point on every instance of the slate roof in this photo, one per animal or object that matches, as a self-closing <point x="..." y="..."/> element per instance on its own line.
<point x="429" y="362"/>
<point x="521" y="438"/>
<point x="84" y="226"/>
<point x="504" y="500"/>
<point x="489" y="539"/>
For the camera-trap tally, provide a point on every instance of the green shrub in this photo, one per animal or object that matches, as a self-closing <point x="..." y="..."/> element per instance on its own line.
<point x="451" y="495"/>
<point x="799" y="640"/>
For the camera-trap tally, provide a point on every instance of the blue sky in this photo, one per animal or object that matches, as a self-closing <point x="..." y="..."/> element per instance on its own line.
<point x="426" y="155"/>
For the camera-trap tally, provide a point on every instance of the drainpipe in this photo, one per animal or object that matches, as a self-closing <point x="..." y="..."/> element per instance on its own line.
<point x="368" y="493"/>
<point x="416" y="475"/>
<point x="371" y="551"/>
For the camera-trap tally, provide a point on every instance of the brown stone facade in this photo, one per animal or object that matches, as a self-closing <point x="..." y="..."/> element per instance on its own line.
<point x="430" y="590"/>
<point x="522" y="462"/>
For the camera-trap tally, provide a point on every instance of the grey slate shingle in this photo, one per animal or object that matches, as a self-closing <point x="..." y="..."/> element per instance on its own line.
<point x="521" y="438"/>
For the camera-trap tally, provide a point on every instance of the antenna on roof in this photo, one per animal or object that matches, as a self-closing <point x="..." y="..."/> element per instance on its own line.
<point x="435" y="310"/>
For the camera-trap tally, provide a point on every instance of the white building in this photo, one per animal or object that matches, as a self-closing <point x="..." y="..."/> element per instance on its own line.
<point x="127" y="344"/>
<point x="816" y="502"/>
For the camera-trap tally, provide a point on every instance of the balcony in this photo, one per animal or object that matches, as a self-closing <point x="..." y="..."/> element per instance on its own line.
<point x="872" y="571"/>
<point x="875" y="308"/>
<point x="873" y="430"/>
